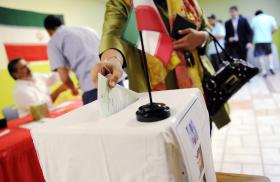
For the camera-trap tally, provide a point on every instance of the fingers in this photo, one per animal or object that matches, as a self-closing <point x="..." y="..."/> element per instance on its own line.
<point x="184" y="43"/>
<point x="190" y="41"/>
<point x="111" y="69"/>
<point x="185" y="31"/>
<point x="182" y="40"/>
<point x="112" y="80"/>
<point x="183" y="46"/>
<point x="114" y="77"/>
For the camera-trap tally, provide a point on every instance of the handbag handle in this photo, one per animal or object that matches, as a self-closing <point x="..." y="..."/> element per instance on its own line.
<point x="216" y="42"/>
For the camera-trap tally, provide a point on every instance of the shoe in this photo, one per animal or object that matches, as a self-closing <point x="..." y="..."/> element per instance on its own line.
<point x="264" y="75"/>
<point x="271" y="71"/>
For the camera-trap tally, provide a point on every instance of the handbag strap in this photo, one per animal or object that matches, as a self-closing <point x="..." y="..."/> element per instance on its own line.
<point x="217" y="51"/>
<point x="216" y="42"/>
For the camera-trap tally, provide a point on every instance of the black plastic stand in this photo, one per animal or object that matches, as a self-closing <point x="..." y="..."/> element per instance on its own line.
<point x="151" y="112"/>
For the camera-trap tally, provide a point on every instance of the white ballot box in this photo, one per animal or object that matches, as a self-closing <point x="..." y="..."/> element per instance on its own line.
<point x="118" y="148"/>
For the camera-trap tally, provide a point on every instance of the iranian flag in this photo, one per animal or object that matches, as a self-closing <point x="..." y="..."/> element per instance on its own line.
<point x="144" y="17"/>
<point x="22" y="34"/>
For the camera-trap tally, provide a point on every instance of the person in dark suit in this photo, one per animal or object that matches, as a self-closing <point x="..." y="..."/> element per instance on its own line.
<point x="239" y="35"/>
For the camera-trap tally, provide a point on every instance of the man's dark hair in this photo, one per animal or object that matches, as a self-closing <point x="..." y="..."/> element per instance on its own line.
<point x="52" y="22"/>
<point x="12" y="66"/>
<point x="212" y="16"/>
<point x="234" y="8"/>
<point x="258" y="12"/>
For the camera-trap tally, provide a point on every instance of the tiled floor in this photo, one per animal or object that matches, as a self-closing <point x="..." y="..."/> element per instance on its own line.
<point x="250" y="144"/>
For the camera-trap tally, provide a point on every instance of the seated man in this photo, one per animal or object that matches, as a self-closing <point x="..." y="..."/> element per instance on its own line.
<point x="32" y="89"/>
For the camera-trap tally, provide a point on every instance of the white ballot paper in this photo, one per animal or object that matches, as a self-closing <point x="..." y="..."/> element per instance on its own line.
<point x="113" y="100"/>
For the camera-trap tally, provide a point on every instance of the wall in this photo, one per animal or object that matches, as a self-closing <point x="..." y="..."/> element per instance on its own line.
<point x="246" y="7"/>
<point x="76" y="13"/>
<point x="82" y="13"/>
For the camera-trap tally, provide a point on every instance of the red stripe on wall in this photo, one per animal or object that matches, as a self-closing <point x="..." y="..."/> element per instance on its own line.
<point x="28" y="52"/>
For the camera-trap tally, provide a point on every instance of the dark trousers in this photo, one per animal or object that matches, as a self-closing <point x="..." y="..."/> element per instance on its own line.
<point x="91" y="95"/>
<point x="236" y="50"/>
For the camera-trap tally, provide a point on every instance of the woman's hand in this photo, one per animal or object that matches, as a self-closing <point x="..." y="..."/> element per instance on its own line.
<point x="110" y="66"/>
<point x="191" y="40"/>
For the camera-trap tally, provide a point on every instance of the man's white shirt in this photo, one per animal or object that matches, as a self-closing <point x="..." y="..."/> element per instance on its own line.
<point x="235" y="27"/>
<point x="34" y="92"/>
<point x="217" y="30"/>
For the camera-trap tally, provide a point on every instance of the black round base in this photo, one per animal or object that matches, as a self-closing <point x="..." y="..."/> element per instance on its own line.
<point x="152" y="112"/>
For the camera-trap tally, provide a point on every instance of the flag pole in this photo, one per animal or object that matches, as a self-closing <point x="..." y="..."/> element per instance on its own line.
<point x="146" y="71"/>
<point x="153" y="111"/>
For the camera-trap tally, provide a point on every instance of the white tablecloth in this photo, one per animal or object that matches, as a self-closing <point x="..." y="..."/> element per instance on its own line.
<point x="84" y="147"/>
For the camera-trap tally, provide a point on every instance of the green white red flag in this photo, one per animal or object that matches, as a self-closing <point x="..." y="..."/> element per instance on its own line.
<point x="144" y="17"/>
<point x="22" y="34"/>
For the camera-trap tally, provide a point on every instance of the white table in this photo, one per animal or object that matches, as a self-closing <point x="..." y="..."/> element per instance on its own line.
<point x="85" y="147"/>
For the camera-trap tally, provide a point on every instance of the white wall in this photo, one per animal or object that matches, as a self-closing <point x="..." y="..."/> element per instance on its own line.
<point x="76" y="13"/>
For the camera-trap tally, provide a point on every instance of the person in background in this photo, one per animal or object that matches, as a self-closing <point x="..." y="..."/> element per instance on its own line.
<point x="218" y="30"/>
<point x="238" y="34"/>
<point x="263" y="26"/>
<point x="116" y="53"/>
<point x="221" y="21"/>
<point x="75" y="48"/>
<point x="32" y="88"/>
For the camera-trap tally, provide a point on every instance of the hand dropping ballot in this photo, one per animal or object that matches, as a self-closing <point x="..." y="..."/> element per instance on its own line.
<point x="113" y="100"/>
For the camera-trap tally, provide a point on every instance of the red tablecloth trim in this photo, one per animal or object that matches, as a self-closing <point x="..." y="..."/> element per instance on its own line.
<point x="18" y="158"/>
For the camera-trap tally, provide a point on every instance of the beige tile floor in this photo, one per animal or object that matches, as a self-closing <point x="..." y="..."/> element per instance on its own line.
<point x="250" y="144"/>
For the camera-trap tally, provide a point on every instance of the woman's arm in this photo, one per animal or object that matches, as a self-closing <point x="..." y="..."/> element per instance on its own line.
<point x="112" y="49"/>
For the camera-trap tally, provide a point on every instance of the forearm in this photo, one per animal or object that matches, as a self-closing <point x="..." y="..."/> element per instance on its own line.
<point x="65" y="78"/>
<point x="115" y="20"/>
<point x="55" y="94"/>
<point x="68" y="83"/>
